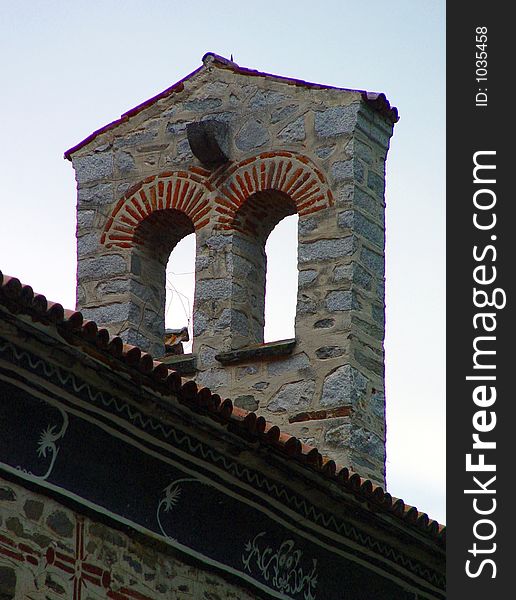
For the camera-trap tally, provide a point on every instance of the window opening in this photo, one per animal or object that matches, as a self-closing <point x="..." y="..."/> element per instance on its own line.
<point x="281" y="280"/>
<point x="180" y="287"/>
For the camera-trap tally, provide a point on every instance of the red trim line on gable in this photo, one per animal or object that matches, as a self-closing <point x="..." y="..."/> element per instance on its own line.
<point x="141" y="367"/>
<point x="378" y="101"/>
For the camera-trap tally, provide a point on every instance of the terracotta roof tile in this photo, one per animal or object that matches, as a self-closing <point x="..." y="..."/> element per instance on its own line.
<point x="376" y="100"/>
<point x="20" y="299"/>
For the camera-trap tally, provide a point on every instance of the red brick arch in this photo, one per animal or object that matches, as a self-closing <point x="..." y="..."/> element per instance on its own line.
<point x="185" y="191"/>
<point x="287" y="172"/>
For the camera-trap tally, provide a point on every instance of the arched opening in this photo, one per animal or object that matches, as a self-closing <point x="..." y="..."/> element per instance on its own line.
<point x="180" y="288"/>
<point x="156" y="237"/>
<point x="254" y="221"/>
<point x="281" y="281"/>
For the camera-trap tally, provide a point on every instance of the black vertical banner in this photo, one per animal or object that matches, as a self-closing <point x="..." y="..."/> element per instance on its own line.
<point x="481" y="297"/>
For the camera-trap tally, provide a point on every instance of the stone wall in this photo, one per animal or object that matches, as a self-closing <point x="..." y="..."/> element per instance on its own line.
<point x="48" y="551"/>
<point x="318" y="152"/>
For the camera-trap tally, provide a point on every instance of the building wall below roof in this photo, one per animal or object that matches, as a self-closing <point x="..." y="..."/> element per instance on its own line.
<point x="48" y="551"/>
<point x="100" y="441"/>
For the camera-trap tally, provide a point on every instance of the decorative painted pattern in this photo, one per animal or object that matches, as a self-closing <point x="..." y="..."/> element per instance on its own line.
<point x="184" y="191"/>
<point x="282" y="567"/>
<point x="82" y="572"/>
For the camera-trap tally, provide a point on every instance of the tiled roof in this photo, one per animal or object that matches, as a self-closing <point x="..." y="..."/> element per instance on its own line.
<point x="376" y="100"/>
<point x="96" y="342"/>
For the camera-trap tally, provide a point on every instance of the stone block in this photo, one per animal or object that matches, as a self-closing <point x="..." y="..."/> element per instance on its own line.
<point x="380" y="136"/>
<point x="252" y="135"/>
<point x="374" y="262"/>
<point x="340" y="300"/>
<point x="7" y="494"/>
<point x="293" y="132"/>
<point x="288" y="365"/>
<point x="59" y="522"/>
<point x="88" y="243"/>
<point x="361" y="225"/>
<point x="240" y="267"/>
<point x="33" y="509"/>
<point x="234" y="321"/>
<point x="261" y="385"/>
<point x="136" y="264"/>
<point x="324" y="323"/>
<point x="368" y="203"/>
<point x="370" y="329"/>
<point x="358" y="171"/>
<point x="336" y="120"/>
<point x="306" y="225"/>
<point x="203" y="105"/>
<point x="283" y="112"/>
<point x="264" y="98"/>
<point x="154" y="322"/>
<point x="7" y="583"/>
<point x="344" y="193"/>
<point x="85" y="219"/>
<point x="376" y="183"/>
<point x="93" y="167"/>
<point x="202" y="262"/>
<point x="114" y="286"/>
<point x="378" y="314"/>
<point x="148" y="294"/>
<point x="370" y="361"/>
<point x="247" y="402"/>
<point x="293" y="397"/>
<point x="377" y="404"/>
<point x="213" y="289"/>
<point x="101" y="267"/>
<point x="325" y="352"/>
<point x="368" y="443"/>
<point x="337" y="436"/>
<point x="342" y="170"/>
<point x="97" y="195"/>
<point x="207" y="357"/>
<point x="124" y="162"/>
<point x="361" y="277"/>
<point x="307" y="277"/>
<point x="137" y="138"/>
<point x="305" y="305"/>
<point x="325" y="151"/>
<point x="343" y="386"/>
<point x="343" y="273"/>
<point x="200" y="323"/>
<point x="242" y="372"/>
<point x="212" y="378"/>
<point x="110" y="313"/>
<point x="326" y="249"/>
<point x="219" y="241"/>
<point x="176" y="127"/>
<point x="363" y="151"/>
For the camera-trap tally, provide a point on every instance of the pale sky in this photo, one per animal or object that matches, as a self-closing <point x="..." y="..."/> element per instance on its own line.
<point x="69" y="67"/>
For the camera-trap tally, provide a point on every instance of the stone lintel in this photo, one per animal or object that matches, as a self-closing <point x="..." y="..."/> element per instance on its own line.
<point x="257" y="352"/>
<point x="184" y="364"/>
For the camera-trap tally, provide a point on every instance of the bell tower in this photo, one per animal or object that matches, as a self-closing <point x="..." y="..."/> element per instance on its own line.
<point x="227" y="153"/>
